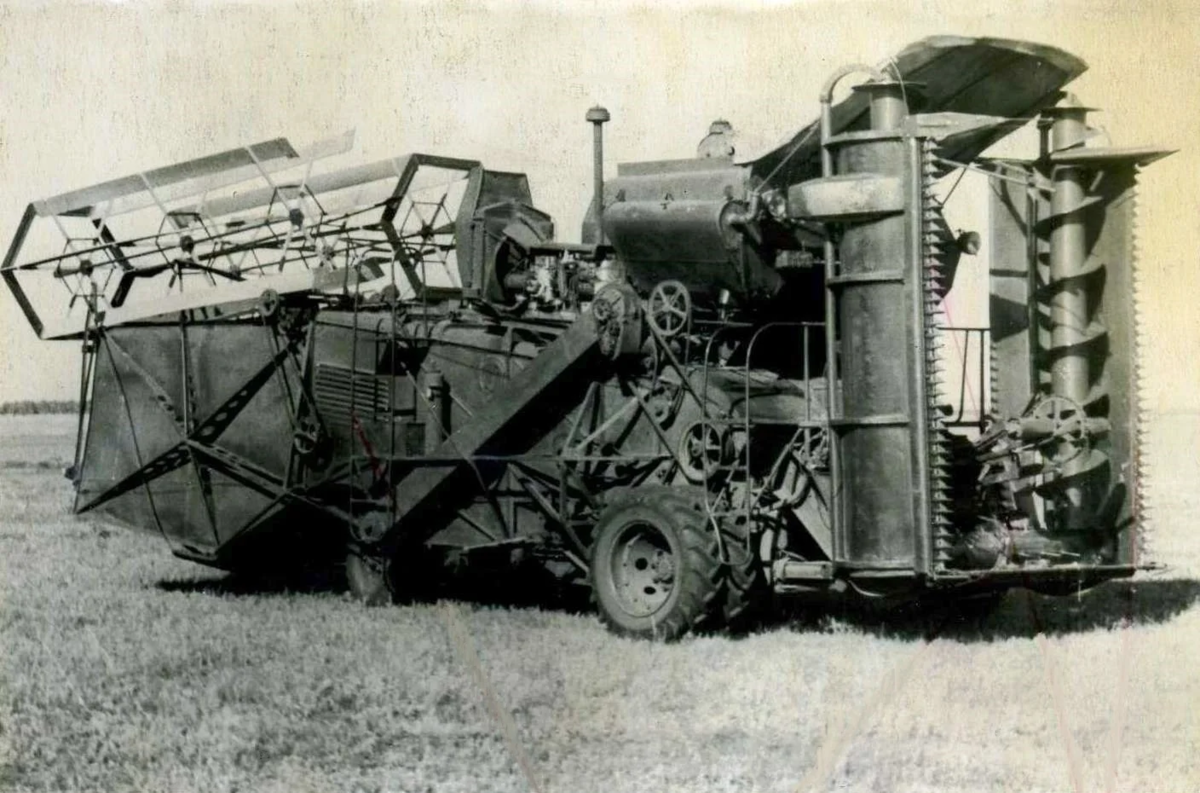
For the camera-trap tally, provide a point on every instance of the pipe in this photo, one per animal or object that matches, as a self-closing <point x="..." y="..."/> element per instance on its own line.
<point x="826" y="96"/>
<point x="889" y="107"/>
<point x="832" y="402"/>
<point x="597" y="117"/>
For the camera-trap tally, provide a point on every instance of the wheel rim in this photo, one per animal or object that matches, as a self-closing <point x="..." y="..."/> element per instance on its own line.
<point x="643" y="569"/>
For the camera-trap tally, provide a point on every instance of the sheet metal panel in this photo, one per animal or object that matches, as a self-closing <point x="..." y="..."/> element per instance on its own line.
<point x="981" y="76"/>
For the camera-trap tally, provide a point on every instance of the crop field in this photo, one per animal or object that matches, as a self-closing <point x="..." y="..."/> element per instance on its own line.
<point x="122" y="668"/>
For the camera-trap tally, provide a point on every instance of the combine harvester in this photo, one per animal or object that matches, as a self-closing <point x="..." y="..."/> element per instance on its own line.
<point x="734" y="388"/>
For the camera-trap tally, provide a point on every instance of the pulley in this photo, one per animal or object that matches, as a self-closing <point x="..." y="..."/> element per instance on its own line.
<point x="669" y="308"/>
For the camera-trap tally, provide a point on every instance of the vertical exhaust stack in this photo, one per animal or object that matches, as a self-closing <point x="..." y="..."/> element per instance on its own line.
<point x="598" y="117"/>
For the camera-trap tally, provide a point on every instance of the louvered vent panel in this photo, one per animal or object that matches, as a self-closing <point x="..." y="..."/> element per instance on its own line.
<point x="338" y="390"/>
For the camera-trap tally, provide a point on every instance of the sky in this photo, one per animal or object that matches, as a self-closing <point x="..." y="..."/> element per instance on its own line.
<point x="92" y="92"/>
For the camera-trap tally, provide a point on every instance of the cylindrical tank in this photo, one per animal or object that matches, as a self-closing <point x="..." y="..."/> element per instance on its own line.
<point x="697" y="242"/>
<point x="876" y="457"/>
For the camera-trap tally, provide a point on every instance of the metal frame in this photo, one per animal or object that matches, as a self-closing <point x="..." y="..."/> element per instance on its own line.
<point x="284" y="258"/>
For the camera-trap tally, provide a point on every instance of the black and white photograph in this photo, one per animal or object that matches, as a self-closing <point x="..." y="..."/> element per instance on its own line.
<point x="408" y="397"/>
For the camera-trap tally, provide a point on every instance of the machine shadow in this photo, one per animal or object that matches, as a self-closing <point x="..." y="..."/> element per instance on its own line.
<point x="240" y="583"/>
<point x="1019" y="614"/>
<point x="520" y="588"/>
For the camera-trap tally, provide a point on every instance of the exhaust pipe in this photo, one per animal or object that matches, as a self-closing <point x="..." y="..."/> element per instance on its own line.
<point x="597" y="116"/>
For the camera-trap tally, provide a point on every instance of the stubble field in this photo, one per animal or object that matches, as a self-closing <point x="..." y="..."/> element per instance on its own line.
<point x="122" y="668"/>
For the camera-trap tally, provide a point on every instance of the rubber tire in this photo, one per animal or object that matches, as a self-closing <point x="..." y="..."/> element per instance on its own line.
<point x="747" y="593"/>
<point x="367" y="578"/>
<point x="412" y="575"/>
<point x="679" y="516"/>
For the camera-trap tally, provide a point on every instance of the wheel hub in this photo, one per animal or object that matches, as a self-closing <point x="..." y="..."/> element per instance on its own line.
<point x="643" y="570"/>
